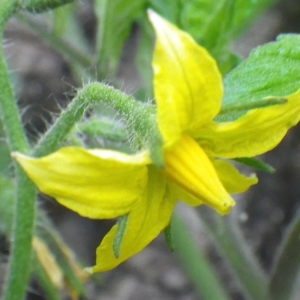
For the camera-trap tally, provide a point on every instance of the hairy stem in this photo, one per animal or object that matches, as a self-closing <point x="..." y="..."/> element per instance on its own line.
<point x="139" y="116"/>
<point x="24" y="214"/>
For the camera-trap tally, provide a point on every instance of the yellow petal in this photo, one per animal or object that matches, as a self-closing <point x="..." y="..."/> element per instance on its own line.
<point x="187" y="84"/>
<point x="146" y="220"/>
<point x="189" y="166"/>
<point x="257" y="132"/>
<point x="232" y="179"/>
<point x="94" y="183"/>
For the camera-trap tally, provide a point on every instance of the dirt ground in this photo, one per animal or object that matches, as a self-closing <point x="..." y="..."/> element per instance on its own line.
<point x="156" y="273"/>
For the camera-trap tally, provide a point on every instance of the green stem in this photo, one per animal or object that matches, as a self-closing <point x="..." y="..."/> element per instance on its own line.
<point x="20" y="262"/>
<point x="197" y="267"/>
<point x="284" y="283"/>
<point x="233" y="247"/>
<point x="19" y="267"/>
<point x="9" y="110"/>
<point x="139" y="116"/>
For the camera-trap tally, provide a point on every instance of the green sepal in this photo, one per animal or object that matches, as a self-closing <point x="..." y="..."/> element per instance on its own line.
<point x="122" y="224"/>
<point x="256" y="164"/>
<point x="169" y="237"/>
<point x="102" y="128"/>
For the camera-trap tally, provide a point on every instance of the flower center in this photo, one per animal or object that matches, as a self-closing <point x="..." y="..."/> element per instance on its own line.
<point x="189" y="166"/>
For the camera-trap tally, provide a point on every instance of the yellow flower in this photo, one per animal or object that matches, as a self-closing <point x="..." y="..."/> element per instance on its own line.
<point x="104" y="184"/>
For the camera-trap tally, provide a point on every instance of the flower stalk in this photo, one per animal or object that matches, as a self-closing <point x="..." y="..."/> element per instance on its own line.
<point x="140" y="119"/>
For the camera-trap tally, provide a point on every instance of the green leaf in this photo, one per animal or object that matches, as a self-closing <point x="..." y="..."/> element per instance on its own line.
<point x="270" y="70"/>
<point x="115" y="20"/>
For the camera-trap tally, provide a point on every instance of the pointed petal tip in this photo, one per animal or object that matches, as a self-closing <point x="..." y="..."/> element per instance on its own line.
<point x="226" y="206"/>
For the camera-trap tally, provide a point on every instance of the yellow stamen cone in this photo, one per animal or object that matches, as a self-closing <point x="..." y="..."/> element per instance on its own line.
<point x="189" y="166"/>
